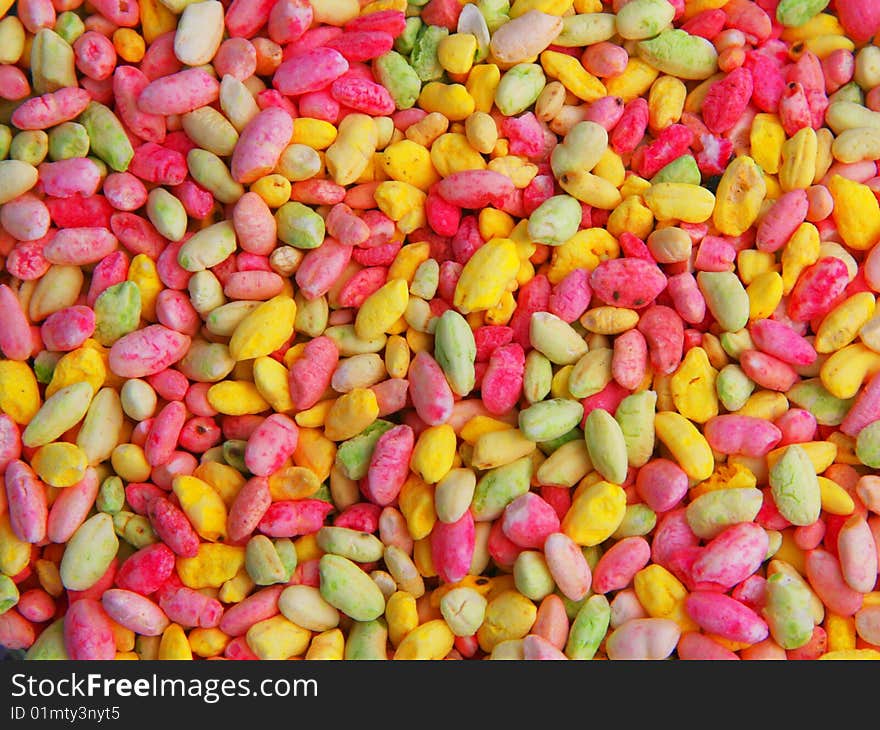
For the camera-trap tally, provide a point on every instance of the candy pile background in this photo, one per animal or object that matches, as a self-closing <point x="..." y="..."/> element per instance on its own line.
<point x="340" y="329"/>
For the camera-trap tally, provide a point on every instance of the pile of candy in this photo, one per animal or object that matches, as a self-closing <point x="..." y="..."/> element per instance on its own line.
<point x="430" y="330"/>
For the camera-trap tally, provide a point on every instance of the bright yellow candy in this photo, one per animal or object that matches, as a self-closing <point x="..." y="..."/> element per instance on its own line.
<point x="271" y="380"/>
<point x="509" y="615"/>
<point x="315" y="451"/>
<point x="586" y="249"/>
<point x="264" y="329"/>
<point x="382" y="309"/>
<point x="486" y="276"/>
<point x="456" y="52"/>
<point x="403" y="203"/>
<point x="351" y="414"/>
<point x="416" y="503"/>
<point x="214" y="564"/>
<point x="766" y="138"/>
<point x="316" y="133"/>
<point x="595" y="514"/>
<point x="452" y="152"/>
<point x="666" y="102"/>
<point x="765" y="293"/>
<point x="434" y="453"/>
<point x="227" y="481"/>
<point x="801" y="251"/>
<point x="15" y="553"/>
<point x="680" y="201"/>
<point x="430" y="640"/>
<point x="631" y="215"/>
<point x="129" y="44"/>
<point x="856" y="212"/>
<point x="207" y="642"/>
<point x="738" y="197"/>
<point x="130" y="463"/>
<point x="662" y="595"/>
<point x="835" y="499"/>
<point x="635" y="80"/>
<point x="688" y="446"/>
<point x="402" y="616"/>
<point x="83" y="364"/>
<point x="843" y="372"/>
<point x="277" y="638"/>
<point x="409" y="162"/>
<point x="842" y="324"/>
<point x="59" y="464"/>
<point x="482" y="81"/>
<point x="841" y="631"/>
<point x="453" y="101"/>
<point x="202" y="505"/>
<point x="328" y="645"/>
<point x="274" y="189"/>
<point x="142" y="271"/>
<point x="236" y="398"/>
<point x="19" y="392"/>
<point x="571" y="72"/>
<point x="693" y="386"/>
<point x="174" y="644"/>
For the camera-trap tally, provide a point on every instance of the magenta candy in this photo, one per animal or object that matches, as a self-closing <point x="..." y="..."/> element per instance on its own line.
<point x="87" y="631"/>
<point x="179" y="93"/>
<point x="188" y="607"/>
<point x="163" y="435"/>
<point x="248" y="508"/>
<point x="49" y="110"/>
<point x="10" y="442"/>
<point x="767" y="371"/>
<point x="629" y="360"/>
<point x="826" y="578"/>
<point x="528" y="521"/>
<point x="79" y="246"/>
<point x="452" y="547"/>
<point x="257" y="607"/>
<point x="321" y="267"/>
<point x="67" y="328"/>
<point x="147" y="351"/>
<point x="747" y="435"/>
<point x="430" y="392"/>
<point x="475" y="188"/>
<point x="781" y="341"/>
<point x="66" y="178"/>
<point x="134" y="611"/>
<point x="173" y="528"/>
<point x="571" y="296"/>
<point x="781" y="221"/>
<point x="311" y="373"/>
<point x="291" y="518"/>
<point x="128" y="84"/>
<point x="501" y="385"/>
<point x="157" y="164"/>
<point x="146" y="570"/>
<point x="619" y="564"/>
<point x="312" y="70"/>
<point x="687" y="298"/>
<point x="271" y="443"/>
<point x="71" y="507"/>
<point x="627" y="282"/>
<point x="26" y="497"/>
<point x="389" y="465"/>
<point x="717" y="613"/>
<point x="260" y="145"/>
<point x="696" y="646"/>
<point x="732" y="556"/>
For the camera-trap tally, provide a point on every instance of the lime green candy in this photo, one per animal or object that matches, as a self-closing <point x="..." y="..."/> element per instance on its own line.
<point x="455" y="351"/>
